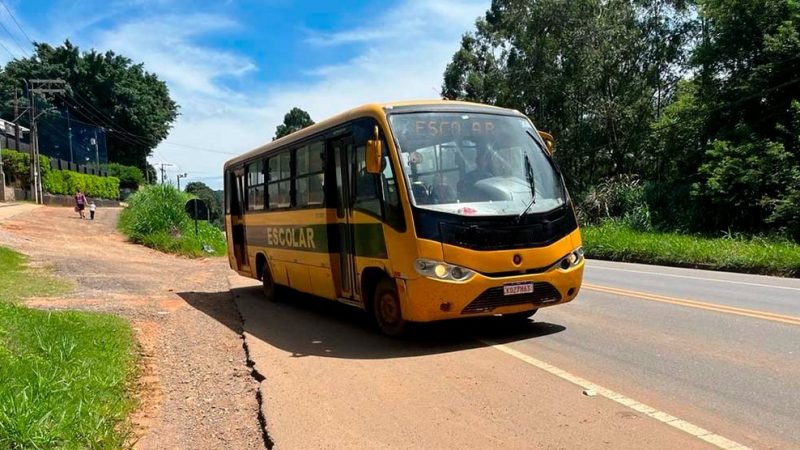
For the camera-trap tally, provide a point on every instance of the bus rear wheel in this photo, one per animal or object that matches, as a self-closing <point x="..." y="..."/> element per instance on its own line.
<point x="270" y="288"/>
<point x="386" y="309"/>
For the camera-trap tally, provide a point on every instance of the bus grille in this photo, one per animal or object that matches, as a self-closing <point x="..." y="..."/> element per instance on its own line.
<point x="493" y="298"/>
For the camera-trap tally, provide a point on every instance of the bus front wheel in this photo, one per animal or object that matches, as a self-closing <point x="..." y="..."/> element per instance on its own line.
<point x="386" y="308"/>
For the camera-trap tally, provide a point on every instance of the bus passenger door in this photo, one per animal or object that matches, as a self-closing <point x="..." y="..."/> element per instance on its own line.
<point x="236" y="190"/>
<point x="342" y="151"/>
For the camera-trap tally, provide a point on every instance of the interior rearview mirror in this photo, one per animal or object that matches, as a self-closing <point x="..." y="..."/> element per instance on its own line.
<point x="549" y="141"/>
<point x="374" y="155"/>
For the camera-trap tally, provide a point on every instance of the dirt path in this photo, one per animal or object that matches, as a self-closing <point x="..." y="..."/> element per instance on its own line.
<point x="196" y="389"/>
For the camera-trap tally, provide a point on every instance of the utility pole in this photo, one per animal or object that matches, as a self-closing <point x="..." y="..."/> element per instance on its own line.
<point x="16" y="118"/>
<point x="181" y="175"/>
<point x="96" y="149"/>
<point x="38" y="87"/>
<point x="164" y="172"/>
<point x="2" y="181"/>
<point x="69" y="133"/>
<point x="32" y="120"/>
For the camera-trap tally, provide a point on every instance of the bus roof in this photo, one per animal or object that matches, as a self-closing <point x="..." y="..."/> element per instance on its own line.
<point x="361" y="111"/>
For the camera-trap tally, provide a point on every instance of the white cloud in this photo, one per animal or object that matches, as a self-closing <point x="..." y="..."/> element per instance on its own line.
<point x="402" y="55"/>
<point x="165" y="45"/>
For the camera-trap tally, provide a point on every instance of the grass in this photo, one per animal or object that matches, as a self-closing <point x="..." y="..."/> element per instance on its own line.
<point x="17" y="283"/>
<point x="155" y="217"/>
<point x="614" y="241"/>
<point x="64" y="376"/>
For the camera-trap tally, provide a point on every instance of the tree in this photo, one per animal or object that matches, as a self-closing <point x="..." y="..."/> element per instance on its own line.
<point x="593" y="72"/>
<point x="747" y="175"/>
<point x="204" y="193"/>
<point x="296" y="119"/>
<point x="150" y="174"/>
<point x="105" y="89"/>
<point x="130" y="177"/>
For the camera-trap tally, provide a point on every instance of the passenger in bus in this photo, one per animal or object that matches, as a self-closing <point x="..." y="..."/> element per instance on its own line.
<point x="441" y="192"/>
<point x="483" y="170"/>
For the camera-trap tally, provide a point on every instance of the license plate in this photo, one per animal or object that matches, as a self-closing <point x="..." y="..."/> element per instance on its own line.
<point x="517" y="288"/>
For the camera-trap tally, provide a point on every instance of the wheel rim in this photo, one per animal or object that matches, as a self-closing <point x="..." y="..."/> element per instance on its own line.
<point x="389" y="311"/>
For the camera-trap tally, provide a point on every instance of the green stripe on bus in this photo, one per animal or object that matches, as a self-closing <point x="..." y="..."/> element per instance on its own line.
<point x="319" y="238"/>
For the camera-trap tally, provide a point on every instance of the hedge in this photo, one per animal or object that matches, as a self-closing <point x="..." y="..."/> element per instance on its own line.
<point x="17" y="167"/>
<point x="130" y="177"/>
<point x="60" y="182"/>
<point x="65" y="182"/>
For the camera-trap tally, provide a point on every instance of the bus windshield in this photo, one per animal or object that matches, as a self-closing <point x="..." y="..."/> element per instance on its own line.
<point x="476" y="164"/>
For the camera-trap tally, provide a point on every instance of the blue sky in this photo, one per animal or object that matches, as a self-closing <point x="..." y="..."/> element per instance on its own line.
<point x="236" y="66"/>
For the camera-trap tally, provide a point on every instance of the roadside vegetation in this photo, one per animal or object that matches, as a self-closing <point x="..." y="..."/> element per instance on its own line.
<point x="697" y="103"/>
<point x="59" y="182"/>
<point x="155" y="217"/>
<point x="619" y="224"/>
<point x="614" y="240"/>
<point x="65" y="375"/>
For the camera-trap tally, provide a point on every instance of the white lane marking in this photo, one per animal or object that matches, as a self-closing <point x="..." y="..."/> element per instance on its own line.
<point x="695" y="278"/>
<point x="680" y="424"/>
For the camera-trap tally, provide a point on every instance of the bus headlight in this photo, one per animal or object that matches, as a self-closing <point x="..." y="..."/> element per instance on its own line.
<point x="572" y="259"/>
<point x="442" y="271"/>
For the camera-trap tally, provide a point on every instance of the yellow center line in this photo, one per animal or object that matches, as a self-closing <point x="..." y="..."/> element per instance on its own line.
<point x="764" y="315"/>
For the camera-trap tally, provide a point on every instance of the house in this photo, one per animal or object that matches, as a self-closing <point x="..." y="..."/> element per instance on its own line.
<point x="8" y="136"/>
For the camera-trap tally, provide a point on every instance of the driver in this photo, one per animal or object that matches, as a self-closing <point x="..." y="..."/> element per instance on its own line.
<point x="483" y="170"/>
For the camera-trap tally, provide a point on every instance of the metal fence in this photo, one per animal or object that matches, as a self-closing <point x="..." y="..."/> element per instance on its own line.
<point x="60" y="164"/>
<point x="11" y="144"/>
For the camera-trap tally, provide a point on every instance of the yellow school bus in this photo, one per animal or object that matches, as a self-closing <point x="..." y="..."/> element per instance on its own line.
<point x="412" y="211"/>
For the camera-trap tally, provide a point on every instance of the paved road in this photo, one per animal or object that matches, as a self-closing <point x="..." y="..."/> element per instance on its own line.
<point x="672" y="353"/>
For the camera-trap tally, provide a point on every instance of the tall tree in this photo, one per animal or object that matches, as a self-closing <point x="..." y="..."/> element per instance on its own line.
<point x="296" y="119"/>
<point x="106" y="89"/>
<point x="748" y="65"/>
<point x="593" y="72"/>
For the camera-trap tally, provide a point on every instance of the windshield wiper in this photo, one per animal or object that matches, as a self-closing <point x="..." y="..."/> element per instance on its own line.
<point x="532" y="183"/>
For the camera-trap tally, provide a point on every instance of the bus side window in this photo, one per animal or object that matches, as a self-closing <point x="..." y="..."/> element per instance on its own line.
<point x="367" y="197"/>
<point x="394" y="210"/>
<point x="376" y="193"/>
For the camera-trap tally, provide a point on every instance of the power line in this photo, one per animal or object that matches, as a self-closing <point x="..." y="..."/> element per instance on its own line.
<point x="11" y="14"/>
<point x="8" y="32"/>
<point x="13" y="56"/>
<point x="92" y="116"/>
<point x="120" y="131"/>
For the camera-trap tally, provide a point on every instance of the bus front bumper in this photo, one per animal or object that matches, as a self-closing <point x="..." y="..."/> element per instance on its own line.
<point x="425" y="299"/>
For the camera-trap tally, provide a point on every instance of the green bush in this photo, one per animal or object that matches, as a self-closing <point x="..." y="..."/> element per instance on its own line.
<point x="17" y="167"/>
<point x="65" y="182"/>
<point x="156" y="217"/>
<point x="130" y="177"/>
<point x="621" y="198"/>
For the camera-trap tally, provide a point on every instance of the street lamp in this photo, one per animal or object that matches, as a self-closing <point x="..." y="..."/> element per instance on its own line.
<point x="181" y="175"/>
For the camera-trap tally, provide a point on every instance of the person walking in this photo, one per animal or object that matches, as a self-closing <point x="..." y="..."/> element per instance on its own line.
<point x="92" y="209"/>
<point x="80" y="203"/>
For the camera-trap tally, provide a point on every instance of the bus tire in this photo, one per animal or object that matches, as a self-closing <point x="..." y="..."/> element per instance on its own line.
<point x="271" y="289"/>
<point x="520" y="316"/>
<point x="386" y="309"/>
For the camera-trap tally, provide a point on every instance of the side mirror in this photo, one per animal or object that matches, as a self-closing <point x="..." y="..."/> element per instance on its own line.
<point x="374" y="154"/>
<point x="549" y="141"/>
